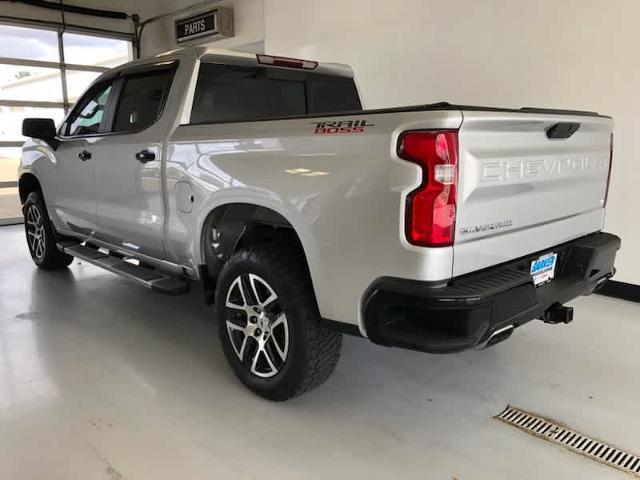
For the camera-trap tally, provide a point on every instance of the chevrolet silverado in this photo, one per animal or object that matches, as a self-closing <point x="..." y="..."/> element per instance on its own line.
<point x="303" y="216"/>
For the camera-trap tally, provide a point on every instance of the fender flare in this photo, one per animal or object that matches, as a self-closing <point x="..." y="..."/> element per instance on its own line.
<point x="27" y="183"/>
<point x="226" y="225"/>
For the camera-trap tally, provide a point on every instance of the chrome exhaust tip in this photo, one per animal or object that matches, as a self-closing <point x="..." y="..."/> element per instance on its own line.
<point x="498" y="336"/>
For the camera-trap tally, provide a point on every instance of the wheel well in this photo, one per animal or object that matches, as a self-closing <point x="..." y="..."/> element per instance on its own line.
<point x="27" y="184"/>
<point x="233" y="226"/>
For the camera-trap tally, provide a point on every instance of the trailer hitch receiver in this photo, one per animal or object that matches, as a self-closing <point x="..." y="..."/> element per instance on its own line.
<point x="558" y="313"/>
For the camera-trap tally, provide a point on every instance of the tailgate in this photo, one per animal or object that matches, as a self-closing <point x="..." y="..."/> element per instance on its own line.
<point x="527" y="182"/>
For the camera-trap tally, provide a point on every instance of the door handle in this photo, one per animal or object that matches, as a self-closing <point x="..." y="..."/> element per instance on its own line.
<point x="145" y="156"/>
<point x="84" y="155"/>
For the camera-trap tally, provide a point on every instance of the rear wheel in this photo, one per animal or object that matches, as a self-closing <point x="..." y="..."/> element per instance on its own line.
<point x="269" y="324"/>
<point x="40" y="235"/>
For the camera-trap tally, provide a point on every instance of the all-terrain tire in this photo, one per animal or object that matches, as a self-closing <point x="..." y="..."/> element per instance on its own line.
<point x="313" y="349"/>
<point x="41" y="237"/>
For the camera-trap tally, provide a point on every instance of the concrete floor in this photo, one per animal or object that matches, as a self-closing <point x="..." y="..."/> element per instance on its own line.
<point x="102" y="379"/>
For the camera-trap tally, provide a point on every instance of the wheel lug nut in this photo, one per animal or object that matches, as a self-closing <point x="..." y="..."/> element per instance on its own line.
<point x="257" y="332"/>
<point x="253" y="319"/>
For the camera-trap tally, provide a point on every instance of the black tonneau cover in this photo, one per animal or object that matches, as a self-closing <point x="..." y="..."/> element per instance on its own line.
<point x="440" y="106"/>
<point x="476" y="108"/>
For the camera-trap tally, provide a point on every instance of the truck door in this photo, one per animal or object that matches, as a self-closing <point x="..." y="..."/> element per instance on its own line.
<point x="130" y="210"/>
<point x="71" y="193"/>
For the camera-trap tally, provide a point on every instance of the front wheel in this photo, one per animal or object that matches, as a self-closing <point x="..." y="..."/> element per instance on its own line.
<point x="269" y="324"/>
<point x="40" y="235"/>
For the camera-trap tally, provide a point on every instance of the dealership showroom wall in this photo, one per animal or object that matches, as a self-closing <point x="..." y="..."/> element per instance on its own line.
<point x="120" y="363"/>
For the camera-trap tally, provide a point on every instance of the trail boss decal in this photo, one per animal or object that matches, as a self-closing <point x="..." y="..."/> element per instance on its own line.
<point x="341" y="126"/>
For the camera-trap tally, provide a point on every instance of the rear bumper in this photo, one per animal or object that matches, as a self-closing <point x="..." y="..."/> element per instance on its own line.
<point x="468" y="311"/>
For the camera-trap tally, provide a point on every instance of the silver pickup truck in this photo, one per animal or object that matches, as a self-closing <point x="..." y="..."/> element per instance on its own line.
<point x="437" y="228"/>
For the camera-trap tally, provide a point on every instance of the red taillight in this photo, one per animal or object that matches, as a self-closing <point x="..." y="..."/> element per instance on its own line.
<point x="606" y="193"/>
<point x="431" y="208"/>
<point x="286" y="62"/>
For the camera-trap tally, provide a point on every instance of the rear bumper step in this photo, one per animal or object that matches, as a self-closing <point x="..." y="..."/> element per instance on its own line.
<point x="141" y="274"/>
<point x="483" y="308"/>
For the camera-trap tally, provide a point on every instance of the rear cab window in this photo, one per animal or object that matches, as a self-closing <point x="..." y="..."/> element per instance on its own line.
<point x="228" y="93"/>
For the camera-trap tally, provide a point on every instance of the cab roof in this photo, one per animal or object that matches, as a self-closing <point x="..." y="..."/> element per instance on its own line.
<point x="218" y="55"/>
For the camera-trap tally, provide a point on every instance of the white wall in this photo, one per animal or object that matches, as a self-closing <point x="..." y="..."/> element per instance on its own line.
<point x="580" y="54"/>
<point x="159" y="36"/>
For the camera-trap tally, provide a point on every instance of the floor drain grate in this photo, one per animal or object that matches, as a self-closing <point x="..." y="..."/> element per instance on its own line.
<point x="575" y="441"/>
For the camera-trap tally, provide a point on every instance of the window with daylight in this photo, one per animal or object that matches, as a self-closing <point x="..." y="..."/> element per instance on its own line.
<point x="43" y="72"/>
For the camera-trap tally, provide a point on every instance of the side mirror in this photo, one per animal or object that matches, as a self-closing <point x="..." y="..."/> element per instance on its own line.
<point x="41" y="128"/>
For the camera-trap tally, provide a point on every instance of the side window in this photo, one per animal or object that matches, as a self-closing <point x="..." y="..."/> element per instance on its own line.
<point x="141" y="100"/>
<point x="87" y="117"/>
<point x="230" y="93"/>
